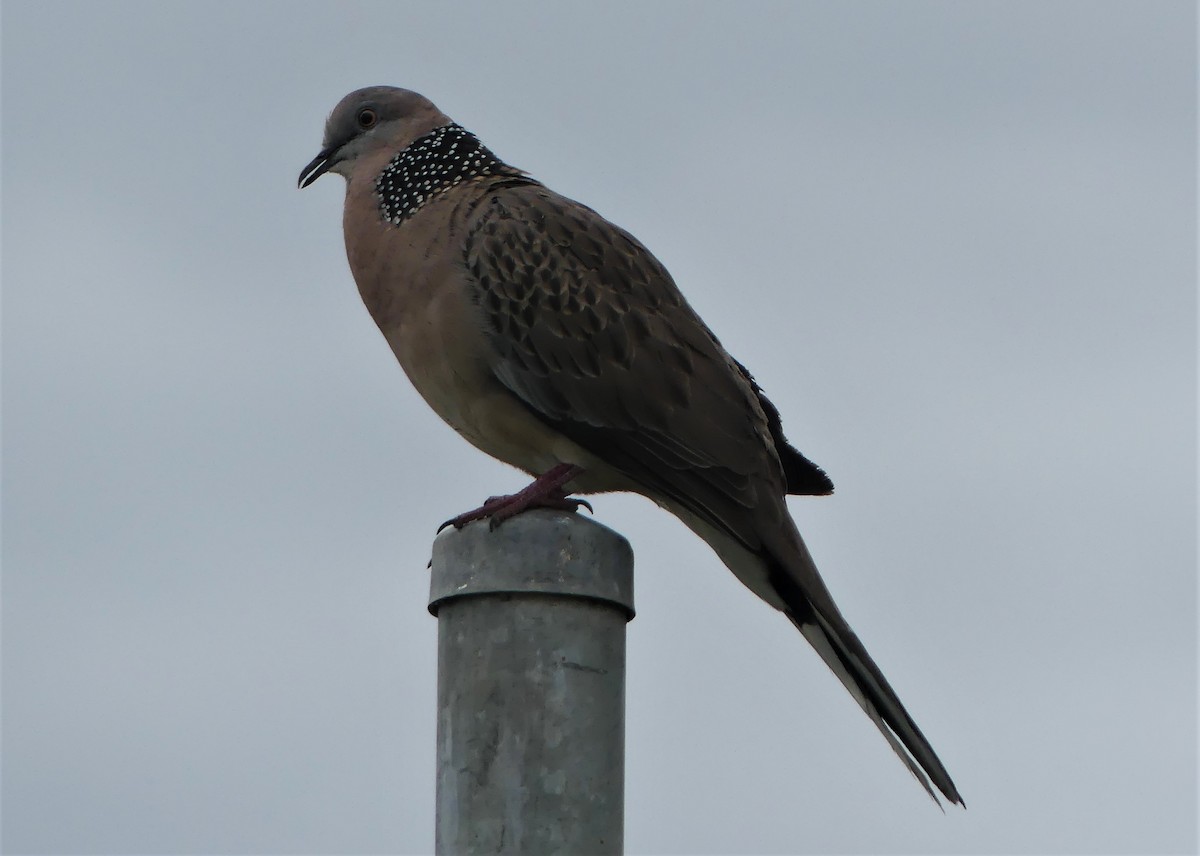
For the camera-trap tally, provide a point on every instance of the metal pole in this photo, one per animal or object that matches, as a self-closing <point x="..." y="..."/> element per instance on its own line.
<point x="531" y="685"/>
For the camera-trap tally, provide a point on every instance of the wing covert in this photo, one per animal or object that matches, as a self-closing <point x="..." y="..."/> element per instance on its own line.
<point x="590" y="331"/>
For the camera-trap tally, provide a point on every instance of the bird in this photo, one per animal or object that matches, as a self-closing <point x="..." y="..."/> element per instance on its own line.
<point x="555" y="341"/>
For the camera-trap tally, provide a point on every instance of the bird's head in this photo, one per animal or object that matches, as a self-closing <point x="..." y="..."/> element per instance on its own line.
<point x="368" y="120"/>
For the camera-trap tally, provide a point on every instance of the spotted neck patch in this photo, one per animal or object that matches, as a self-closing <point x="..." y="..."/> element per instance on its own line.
<point x="431" y="164"/>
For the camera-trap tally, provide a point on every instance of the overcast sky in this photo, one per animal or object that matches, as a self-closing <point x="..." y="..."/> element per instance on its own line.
<point x="955" y="242"/>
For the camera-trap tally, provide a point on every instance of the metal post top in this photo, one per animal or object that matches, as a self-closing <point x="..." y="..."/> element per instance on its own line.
<point x="542" y="552"/>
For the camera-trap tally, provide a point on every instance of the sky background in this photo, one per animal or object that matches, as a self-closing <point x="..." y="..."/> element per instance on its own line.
<point x="955" y="242"/>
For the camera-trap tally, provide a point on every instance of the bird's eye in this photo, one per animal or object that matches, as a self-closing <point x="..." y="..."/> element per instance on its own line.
<point x="367" y="117"/>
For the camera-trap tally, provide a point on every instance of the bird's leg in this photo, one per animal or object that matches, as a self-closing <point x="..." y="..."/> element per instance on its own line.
<point x="546" y="491"/>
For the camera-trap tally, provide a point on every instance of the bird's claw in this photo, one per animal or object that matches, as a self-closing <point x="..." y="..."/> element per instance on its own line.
<point x="546" y="491"/>
<point x="497" y="509"/>
<point x="565" y="503"/>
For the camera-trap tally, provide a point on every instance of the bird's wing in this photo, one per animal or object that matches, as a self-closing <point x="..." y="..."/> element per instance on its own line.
<point x="588" y="329"/>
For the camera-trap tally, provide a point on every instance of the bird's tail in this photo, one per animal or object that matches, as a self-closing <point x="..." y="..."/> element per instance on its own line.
<point x="811" y="608"/>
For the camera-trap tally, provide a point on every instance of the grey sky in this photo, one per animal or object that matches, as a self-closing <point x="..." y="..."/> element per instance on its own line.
<point x="955" y="242"/>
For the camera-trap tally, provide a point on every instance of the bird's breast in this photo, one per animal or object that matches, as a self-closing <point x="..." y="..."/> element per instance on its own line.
<point x="413" y="284"/>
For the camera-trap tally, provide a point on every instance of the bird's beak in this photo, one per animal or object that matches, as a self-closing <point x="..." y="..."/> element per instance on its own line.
<point x="316" y="168"/>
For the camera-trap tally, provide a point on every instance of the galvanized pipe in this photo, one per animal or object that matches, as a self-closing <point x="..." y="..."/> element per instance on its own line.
<point x="531" y="685"/>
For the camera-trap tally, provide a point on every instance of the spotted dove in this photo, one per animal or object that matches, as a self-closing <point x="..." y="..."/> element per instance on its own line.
<point x="553" y="340"/>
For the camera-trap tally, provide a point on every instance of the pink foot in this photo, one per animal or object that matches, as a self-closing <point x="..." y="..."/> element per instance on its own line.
<point x="546" y="491"/>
